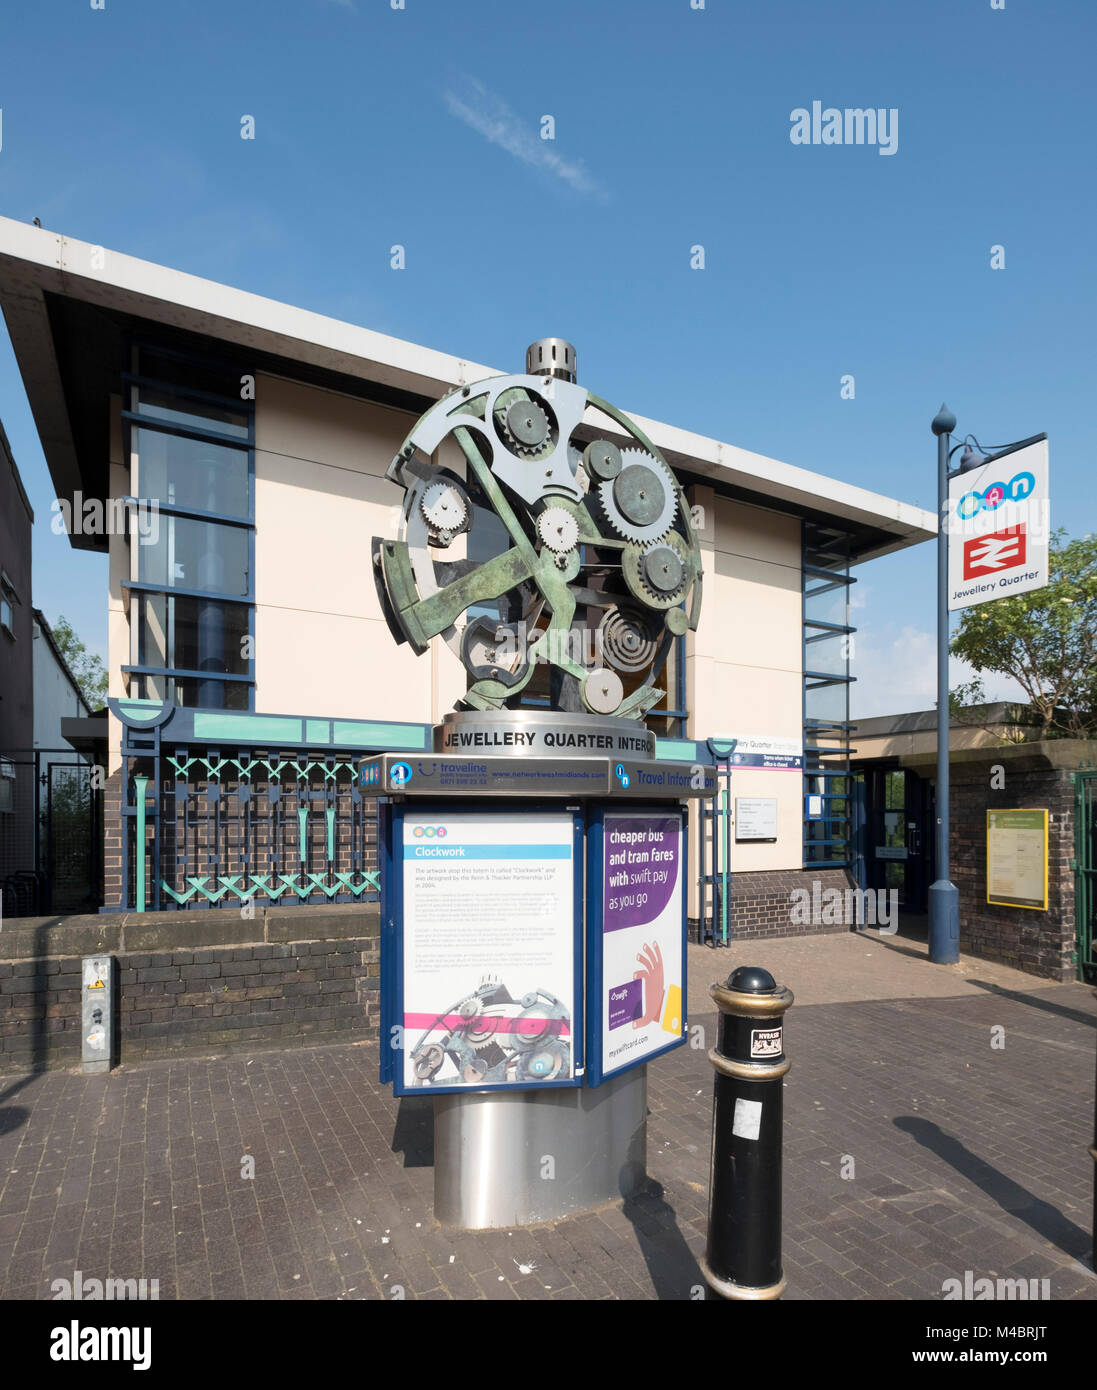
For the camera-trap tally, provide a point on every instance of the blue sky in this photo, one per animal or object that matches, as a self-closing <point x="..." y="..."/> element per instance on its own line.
<point x="420" y="126"/>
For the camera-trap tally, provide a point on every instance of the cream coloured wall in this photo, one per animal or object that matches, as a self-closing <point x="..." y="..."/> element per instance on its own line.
<point x="321" y="643"/>
<point x="744" y="663"/>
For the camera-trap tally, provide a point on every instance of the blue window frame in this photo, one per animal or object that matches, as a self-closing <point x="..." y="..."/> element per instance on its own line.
<point x="192" y="602"/>
<point x="827" y="681"/>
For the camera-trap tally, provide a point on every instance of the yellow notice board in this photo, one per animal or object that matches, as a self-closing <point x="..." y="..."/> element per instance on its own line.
<point x="1017" y="858"/>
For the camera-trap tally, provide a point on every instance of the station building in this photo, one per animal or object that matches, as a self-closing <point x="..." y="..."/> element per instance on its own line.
<point x="250" y="663"/>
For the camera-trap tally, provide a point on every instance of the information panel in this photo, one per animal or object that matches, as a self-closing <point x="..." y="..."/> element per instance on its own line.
<point x="756" y="818"/>
<point x="489" y="950"/>
<point x="637" y="938"/>
<point x="1017" y="858"/>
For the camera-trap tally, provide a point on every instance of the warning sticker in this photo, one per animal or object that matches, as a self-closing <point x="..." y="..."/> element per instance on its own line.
<point x="765" y="1042"/>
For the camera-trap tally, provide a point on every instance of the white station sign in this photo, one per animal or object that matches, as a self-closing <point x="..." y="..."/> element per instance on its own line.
<point x="998" y="524"/>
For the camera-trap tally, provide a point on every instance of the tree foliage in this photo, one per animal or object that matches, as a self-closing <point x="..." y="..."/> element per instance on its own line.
<point x="88" y="670"/>
<point x="1045" y="640"/>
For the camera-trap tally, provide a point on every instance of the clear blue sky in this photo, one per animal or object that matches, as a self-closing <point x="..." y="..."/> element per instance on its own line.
<point x="420" y="126"/>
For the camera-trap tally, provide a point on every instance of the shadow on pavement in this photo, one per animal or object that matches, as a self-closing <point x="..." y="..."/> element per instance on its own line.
<point x="1047" y="1221"/>
<point x="673" y="1269"/>
<point x="413" y="1134"/>
<point x="1035" y="1002"/>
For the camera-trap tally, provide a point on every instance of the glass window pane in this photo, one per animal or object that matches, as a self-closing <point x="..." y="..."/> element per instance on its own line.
<point x="195" y="555"/>
<point x="195" y="694"/>
<point x="184" y="410"/>
<point x="828" y="654"/>
<point x="192" y="634"/>
<point x="827" y="702"/>
<point x="826" y="602"/>
<point x="192" y="473"/>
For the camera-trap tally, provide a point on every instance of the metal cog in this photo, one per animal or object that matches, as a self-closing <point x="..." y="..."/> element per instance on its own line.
<point x="643" y="502"/>
<point x="525" y="428"/>
<point x="558" y="530"/>
<point x="662" y="573"/>
<point x="443" y="506"/>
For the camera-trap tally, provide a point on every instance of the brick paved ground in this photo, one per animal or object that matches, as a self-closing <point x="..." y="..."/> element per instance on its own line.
<point x="966" y="1157"/>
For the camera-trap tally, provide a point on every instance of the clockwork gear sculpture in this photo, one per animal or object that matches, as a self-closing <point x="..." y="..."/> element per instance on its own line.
<point x="597" y="539"/>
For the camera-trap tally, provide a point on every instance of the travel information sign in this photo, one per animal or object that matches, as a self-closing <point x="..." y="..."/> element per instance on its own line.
<point x="488" y="955"/>
<point x="1017" y="858"/>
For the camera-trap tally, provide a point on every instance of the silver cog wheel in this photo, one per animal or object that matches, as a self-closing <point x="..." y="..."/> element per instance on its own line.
<point x="558" y="530"/>
<point x="526" y="428"/>
<point x="444" y="506"/>
<point x="641" y="501"/>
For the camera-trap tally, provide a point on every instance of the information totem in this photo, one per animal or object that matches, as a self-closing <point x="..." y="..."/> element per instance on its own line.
<point x="533" y="916"/>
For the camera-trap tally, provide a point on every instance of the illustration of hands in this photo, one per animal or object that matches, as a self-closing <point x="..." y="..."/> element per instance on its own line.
<point x="651" y="973"/>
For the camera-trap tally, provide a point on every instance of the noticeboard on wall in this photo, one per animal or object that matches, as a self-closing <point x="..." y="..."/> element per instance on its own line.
<point x="1017" y="858"/>
<point x="636" y="942"/>
<point x="484" y="926"/>
<point x="756" y="818"/>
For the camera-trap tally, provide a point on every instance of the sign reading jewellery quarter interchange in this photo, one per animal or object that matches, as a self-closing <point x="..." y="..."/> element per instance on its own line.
<point x="534" y="734"/>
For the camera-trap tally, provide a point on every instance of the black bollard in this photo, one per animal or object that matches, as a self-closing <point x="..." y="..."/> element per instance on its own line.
<point x="743" y="1259"/>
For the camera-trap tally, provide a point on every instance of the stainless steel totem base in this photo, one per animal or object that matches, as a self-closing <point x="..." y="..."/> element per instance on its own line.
<point x="519" y="1158"/>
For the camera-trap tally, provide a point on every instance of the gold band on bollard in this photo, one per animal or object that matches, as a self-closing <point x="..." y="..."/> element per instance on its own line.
<point x="733" y="1001"/>
<point x="748" y="1071"/>
<point x="736" y="1291"/>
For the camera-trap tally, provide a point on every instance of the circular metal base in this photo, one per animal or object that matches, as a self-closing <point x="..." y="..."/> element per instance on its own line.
<point x="724" y="1288"/>
<point x="504" y="1159"/>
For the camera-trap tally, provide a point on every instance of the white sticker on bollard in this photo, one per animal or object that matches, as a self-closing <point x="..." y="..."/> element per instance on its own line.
<point x="747" y="1123"/>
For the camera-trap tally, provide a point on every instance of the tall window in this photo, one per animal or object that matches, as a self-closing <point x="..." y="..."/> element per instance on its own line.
<point x="190" y="441"/>
<point x="827" y="649"/>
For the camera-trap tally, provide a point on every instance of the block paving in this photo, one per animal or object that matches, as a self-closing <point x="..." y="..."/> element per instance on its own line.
<point x="964" y="1156"/>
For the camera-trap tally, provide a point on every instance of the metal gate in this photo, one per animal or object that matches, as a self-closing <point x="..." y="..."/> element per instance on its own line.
<point x="715" y="924"/>
<point x="51" y="840"/>
<point x="1085" y="872"/>
<point x="72" y="835"/>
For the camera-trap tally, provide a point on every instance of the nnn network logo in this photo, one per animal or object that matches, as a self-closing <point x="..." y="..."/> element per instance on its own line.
<point x="429" y="832"/>
<point x="1020" y="486"/>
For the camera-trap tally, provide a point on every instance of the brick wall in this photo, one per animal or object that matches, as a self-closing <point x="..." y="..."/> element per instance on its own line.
<point x="112" y="841"/>
<point x="1041" y="943"/>
<point x="761" y="903"/>
<point x="185" y="985"/>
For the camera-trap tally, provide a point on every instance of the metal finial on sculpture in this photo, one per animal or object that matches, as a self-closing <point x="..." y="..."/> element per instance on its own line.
<point x="596" y="571"/>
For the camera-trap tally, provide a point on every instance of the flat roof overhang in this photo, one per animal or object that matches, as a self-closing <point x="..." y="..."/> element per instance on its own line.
<point x="71" y="307"/>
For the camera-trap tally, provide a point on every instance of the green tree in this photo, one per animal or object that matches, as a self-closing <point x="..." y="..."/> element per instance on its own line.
<point x="1045" y="640"/>
<point x="88" y="670"/>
